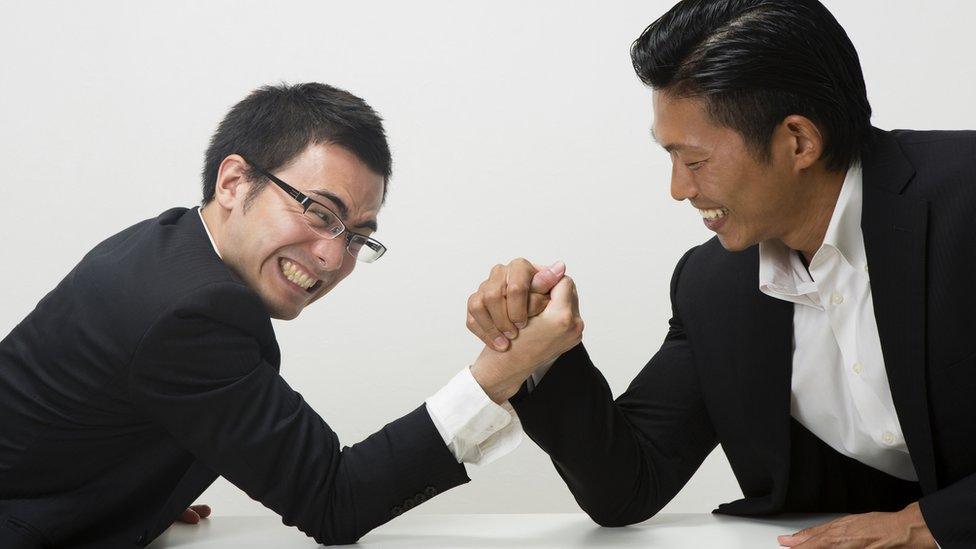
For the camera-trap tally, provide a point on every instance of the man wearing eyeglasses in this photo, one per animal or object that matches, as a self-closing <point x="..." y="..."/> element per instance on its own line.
<point x="152" y="368"/>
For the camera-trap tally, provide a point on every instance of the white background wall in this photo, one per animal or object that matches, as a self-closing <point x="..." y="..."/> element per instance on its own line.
<point x="518" y="129"/>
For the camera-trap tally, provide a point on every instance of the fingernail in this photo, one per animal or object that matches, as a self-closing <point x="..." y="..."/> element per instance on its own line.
<point x="509" y="335"/>
<point x="500" y="343"/>
<point x="521" y="324"/>
<point x="558" y="268"/>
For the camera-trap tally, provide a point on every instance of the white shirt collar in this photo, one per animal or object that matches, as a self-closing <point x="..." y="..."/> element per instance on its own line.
<point x="844" y="231"/>
<point x="207" y="230"/>
<point x="782" y="274"/>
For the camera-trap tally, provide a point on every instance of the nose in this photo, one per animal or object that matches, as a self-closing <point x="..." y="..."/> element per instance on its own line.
<point x="682" y="185"/>
<point x="329" y="254"/>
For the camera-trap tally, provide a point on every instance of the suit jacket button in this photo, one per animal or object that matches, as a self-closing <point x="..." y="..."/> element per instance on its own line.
<point x="141" y="540"/>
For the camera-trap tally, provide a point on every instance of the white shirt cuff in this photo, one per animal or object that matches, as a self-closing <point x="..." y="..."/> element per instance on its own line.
<point x="476" y="430"/>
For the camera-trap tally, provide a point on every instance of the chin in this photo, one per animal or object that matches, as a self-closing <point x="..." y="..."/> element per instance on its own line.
<point x="732" y="245"/>
<point x="285" y="315"/>
<point x="279" y="311"/>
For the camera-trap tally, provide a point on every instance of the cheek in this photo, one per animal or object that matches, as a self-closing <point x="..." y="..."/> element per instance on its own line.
<point x="274" y="239"/>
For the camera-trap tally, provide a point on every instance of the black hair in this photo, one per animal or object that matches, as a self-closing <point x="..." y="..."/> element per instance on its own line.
<point x="755" y="62"/>
<point x="274" y="124"/>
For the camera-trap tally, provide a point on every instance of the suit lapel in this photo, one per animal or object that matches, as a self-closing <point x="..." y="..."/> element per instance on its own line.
<point x="895" y="232"/>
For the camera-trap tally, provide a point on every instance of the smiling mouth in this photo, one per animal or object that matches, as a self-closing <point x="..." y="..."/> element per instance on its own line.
<point x="713" y="213"/>
<point x="298" y="275"/>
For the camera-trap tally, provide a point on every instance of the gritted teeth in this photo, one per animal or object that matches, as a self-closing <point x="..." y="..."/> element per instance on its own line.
<point x="714" y="213"/>
<point x="297" y="275"/>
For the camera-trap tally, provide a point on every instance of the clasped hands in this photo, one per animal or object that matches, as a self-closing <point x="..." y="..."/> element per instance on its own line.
<point x="527" y="315"/>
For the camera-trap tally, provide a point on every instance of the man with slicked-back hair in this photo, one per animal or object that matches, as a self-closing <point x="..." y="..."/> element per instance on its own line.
<point x="825" y="336"/>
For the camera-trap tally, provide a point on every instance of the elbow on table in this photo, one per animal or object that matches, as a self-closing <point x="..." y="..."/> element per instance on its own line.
<point x="338" y="536"/>
<point x="337" y="540"/>
<point x="615" y="518"/>
<point x="337" y="529"/>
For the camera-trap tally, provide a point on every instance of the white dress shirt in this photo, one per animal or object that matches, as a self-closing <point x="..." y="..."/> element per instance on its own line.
<point x="839" y="386"/>
<point x="840" y="389"/>
<point x="476" y="430"/>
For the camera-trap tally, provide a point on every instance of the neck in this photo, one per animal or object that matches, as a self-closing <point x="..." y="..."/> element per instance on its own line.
<point x="814" y="212"/>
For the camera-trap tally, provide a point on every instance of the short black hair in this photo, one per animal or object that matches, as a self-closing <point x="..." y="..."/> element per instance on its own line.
<point x="274" y="124"/>
<point x="755" y="62"/>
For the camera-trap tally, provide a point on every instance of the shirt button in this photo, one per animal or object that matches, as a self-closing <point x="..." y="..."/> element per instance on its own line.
<point x="887" y="437"/>
<point x="836" y="298"/>
<point x="856" y="367"/>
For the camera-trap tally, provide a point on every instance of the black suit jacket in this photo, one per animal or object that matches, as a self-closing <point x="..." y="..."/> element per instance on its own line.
<point x="150" y="370"/>
<point x="723" y="372"/>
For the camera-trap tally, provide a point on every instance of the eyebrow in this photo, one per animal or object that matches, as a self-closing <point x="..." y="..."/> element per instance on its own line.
<point x="670" y="147"/>
<point x="344" y="210"/>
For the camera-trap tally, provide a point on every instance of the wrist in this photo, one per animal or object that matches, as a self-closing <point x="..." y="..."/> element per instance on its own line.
<point x="497" y="381"/>
<point x="912" y="516"/>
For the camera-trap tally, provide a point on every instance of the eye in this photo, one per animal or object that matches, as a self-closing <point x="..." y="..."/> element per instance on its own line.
<point x="324" y="216"/>
<point x="695" y="165"/>
<point x="321" y="217"/>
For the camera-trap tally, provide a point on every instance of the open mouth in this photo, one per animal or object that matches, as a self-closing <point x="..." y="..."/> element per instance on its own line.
<point x="298" y="276"/>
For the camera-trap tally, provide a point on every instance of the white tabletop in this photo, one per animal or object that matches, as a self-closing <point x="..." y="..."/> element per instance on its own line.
<point x="508" y="531"/>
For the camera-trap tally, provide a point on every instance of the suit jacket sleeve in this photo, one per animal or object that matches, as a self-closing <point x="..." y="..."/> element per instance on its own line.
<point x="949" y="513"/>
<point x="200" y="373"/>
<point x="623" y="460"/>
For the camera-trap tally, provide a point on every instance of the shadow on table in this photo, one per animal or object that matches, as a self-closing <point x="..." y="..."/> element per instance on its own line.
<point x="665" y="530"/>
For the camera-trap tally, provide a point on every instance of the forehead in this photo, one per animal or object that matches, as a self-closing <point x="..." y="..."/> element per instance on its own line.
<point x="677" y="118"/>
<point x="683" y="124"/>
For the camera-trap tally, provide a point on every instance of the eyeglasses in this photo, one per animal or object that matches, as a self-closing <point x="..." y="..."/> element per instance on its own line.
<point x="324" y="222"/>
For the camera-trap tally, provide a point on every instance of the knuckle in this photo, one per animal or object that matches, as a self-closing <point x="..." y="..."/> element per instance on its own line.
<point x="566" y="322"/>
<point x="492" y="294"/>
<point x="476" y="301"/>
<point x="497" y="269"/>
<point x="502" y="323"/>
<point x="517" y="288"/>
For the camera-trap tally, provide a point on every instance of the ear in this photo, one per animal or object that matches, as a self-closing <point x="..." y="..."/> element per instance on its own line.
<point x="232" y="184"/>
<point x="804" y="139"/>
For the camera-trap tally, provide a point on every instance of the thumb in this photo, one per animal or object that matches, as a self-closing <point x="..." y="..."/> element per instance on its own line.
<point x="547" y="277"/>
<point x="563" y="294"/>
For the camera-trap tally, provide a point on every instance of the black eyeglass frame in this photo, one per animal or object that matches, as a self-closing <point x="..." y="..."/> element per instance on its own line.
<point x="306" y="203"/>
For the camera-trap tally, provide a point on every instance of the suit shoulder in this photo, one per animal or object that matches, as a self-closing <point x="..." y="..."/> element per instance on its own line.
<point x="155" y="264"/>
<point x="911" y="138"/>
<point x="709" y="268"/>
<point x="938" y="152"/>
